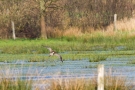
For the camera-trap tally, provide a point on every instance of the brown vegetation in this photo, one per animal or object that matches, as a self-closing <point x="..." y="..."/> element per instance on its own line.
<point x="60" y="15"/>
<point x="82" y="83"/>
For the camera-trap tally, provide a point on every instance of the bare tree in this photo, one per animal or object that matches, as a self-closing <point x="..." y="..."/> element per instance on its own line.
<point x="45" y="6"/>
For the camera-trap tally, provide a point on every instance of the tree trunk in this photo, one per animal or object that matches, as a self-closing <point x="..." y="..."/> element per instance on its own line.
<point x="43" y="30"/>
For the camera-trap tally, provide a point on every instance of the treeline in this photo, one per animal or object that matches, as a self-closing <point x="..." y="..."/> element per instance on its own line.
<point x="60" y="14"/>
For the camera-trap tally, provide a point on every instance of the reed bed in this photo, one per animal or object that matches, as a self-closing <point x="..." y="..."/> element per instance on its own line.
<point x="111" y="83"/>
<point x="11" y="80"/>
<point x="9" y="84"/>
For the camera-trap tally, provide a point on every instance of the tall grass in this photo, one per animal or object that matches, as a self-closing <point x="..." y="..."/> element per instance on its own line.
<point x="9" y="84"/>
<point x="111" y="83"/>
<point x="81" y="83"/>
<point x="72" y="84"/>
<point x="10" y="79"/>
<point x="126" y="24"/>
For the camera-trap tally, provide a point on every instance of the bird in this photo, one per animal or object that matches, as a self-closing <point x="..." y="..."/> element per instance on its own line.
<point x="54" y="53"/>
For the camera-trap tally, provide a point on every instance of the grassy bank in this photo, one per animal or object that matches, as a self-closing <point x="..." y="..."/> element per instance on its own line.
<point x="119" y="43"/>
<point x="85" y="42"/>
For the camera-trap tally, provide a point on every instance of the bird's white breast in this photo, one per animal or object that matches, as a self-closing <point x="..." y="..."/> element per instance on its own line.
<point x="52" y="53"/>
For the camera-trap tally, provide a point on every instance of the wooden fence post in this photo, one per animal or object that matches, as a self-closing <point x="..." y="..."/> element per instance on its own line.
<point x="13" y="30"/>
<point x="100" y="79"/>
<point x="115" y="20"/>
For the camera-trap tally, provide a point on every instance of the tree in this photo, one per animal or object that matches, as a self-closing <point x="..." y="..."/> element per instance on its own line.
<point x="45" y="6"/>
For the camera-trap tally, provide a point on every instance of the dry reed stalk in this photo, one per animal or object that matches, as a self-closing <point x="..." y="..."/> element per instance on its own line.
<point x="53" y="32"/>
<point x="68" y="84"/>
<point x="127" y="25"/>
<point x="72" y="32"/>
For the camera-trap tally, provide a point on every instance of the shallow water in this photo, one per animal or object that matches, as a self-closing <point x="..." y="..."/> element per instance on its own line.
<point x="69" y="68"/>
<point x="116" y="66"/>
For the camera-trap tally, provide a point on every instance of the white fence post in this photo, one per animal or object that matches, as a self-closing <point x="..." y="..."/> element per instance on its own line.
<point x="100" y="79"/>
<point x="13" y="30"/>
<point x="115" y="20"/>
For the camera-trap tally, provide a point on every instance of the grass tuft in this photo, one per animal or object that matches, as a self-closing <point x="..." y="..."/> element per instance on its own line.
<point x="9" y="84"/>
<point x="97" y="58"/>
<point x="131" y="62"/>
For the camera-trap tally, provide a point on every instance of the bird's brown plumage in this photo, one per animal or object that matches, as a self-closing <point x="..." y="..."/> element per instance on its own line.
<point x="54" y="53"/>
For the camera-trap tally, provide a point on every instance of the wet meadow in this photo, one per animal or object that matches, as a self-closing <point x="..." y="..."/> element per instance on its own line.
<point x="26" y="62"/>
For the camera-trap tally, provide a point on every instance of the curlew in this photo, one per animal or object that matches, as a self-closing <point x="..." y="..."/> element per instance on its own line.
<point x="54" y="53"/>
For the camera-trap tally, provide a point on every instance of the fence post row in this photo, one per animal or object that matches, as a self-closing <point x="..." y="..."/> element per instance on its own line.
<point x="100" y="79"/>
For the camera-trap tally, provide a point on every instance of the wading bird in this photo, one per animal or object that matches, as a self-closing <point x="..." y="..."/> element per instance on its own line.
<point x="54" y="53"/>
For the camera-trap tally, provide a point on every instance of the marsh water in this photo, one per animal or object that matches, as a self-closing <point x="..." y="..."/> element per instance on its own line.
<point x="116" y="66"/>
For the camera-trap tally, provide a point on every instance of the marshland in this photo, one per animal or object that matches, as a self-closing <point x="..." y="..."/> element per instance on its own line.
<point x="85" y="33"/>
<point x="26" y="61"/>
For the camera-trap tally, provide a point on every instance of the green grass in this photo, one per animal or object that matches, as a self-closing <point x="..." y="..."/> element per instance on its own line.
<point x="29" y="49"/>
<point x="86" y="42"/>
<point x="97" y="58"/>
<point x="92" y="56"/>
<point x="131" y="61"/>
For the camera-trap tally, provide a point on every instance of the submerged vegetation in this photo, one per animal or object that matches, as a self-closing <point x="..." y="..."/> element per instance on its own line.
<point x="131" y="62"/>
<point x="92" y="56"/>
<point x="97" y="58"/>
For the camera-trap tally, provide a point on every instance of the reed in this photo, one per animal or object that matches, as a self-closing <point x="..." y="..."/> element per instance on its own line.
<point x="10" y="80"/>
<point x="72" y="84"/>
<point x="111" y="83"/>
<point x="9" y="84"/>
